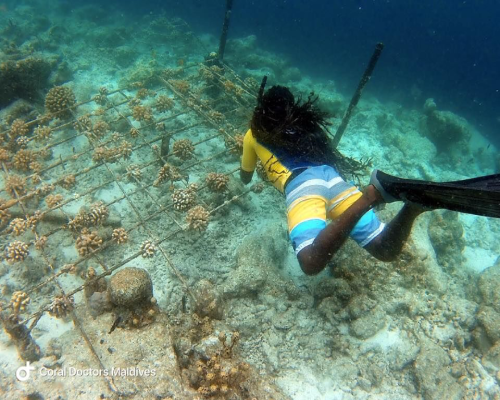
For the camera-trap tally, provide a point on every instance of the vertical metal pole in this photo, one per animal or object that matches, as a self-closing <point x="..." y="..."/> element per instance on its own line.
<point x="357" y="95"/>
<point x="225" y="27"/>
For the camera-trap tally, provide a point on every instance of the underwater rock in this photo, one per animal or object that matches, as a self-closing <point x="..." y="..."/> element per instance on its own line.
<point x="488" y="284"/>
<point x="24" y="78"/>
<point x="338" y="288"/>
<point x="208" y="300"/>
<point x="493" y="355"/>
<point x="246" y="281"/>
<point x="489" y="319"/>
<point x="369" y="324"/>
<point x="99" y="303"/>
<point x="258" y="258"/>
<point x="446" y="235"/>
<point x="432" y="375"/>
<point x="130" y="286"/>
<point x="444" y="128"/>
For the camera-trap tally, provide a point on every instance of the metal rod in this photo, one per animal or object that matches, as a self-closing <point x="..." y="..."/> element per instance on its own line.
<point x="357" y="94"/>
<point x="225" y="27"/>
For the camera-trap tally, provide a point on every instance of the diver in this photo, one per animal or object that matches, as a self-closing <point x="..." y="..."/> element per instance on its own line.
<point x="289" y="137"/>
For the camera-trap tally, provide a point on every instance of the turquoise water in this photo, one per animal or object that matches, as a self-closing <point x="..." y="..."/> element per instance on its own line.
<point x="143" y="171"/>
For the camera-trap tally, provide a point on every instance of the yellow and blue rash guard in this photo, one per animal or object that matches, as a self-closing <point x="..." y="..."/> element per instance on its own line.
<point x="276" y="171"/>
<point x="314" y="195"/>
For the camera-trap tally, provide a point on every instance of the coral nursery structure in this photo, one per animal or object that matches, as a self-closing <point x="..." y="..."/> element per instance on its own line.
<point x="121" y="174"/>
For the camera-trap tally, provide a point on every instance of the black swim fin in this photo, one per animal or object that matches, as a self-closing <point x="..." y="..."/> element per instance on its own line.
<point x="479" y="196"/>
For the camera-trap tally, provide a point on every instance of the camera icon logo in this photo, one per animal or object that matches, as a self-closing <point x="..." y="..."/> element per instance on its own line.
<point x="23" y="373"/>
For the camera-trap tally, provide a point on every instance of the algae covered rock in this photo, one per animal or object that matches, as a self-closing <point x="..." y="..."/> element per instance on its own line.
<point x="130" y="286"/>
<point x="259" y="257"/>
<point x="24" y="78"/>
<point x="444" y="128"/>
<point x="368" y="324"/>
<point x="446" y="234"/>
<point x="489" y="319"/>
<point x="431" y="372"/>
<point x="489" y="284"/>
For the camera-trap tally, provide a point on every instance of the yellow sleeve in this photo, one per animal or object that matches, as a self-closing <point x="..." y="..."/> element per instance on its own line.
<point x="249" y="159"/>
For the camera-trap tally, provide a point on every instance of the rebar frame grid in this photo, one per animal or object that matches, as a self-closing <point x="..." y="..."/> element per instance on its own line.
<point x="197" y="106"/>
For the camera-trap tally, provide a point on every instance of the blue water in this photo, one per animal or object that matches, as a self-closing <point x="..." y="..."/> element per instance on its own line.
<point x="445" y="49"/>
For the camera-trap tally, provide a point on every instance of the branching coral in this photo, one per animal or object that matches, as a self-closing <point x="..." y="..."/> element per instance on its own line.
<point x="183" y="199"/>
<point x="134" y="132"/>
<point x="167" y="173"/>
<point x="119" y="235"/>
<point x="15" y="184"/>
<point x="18" y="302"/>
<point x="61" y="306"/>
<point x="4" y="213"/>
<point x="111" y="155"/>
<point x="16" y="251"/>
<point x="87" y="242"/>
<point x="42" y="132"/>
<point x="218" y="375"/>
<point x="18" y="226"/>
<point x="97" y="214"/>
<point x="68" y="181"/>
<point x="234" y="144"/>
<point x="102" y="97"/>
<point x="134" y="172"/>
<point x="148" y="249"/>
<point x="217" y="182"/>
<point x="142" y="113"/>
<point x="180" y="85"/>
<point x="23" y="159"/>
<point x="59" y="101"/>
<point x="18" y="128"/>
<point x="4" y="155"/>
<point x="197" y="218"/>
<point x="54" y="200"/>
<point x="164" y="103"/>
<point x="183" y="149"/>
<point x="100" y="128"/>
<point x="83" y="124"/>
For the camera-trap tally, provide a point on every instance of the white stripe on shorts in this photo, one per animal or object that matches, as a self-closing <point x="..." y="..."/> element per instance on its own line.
<point x="373" y="235"/>
<point x="303" y="244"/>
<point x="316" y="182"/>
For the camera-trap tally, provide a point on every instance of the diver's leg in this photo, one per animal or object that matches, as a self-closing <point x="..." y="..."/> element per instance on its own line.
<point x="389" y="243"/>
<point x="315" y="257"/>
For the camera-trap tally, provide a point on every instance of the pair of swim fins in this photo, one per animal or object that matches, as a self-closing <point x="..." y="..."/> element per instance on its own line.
<point x="479" y="196"/>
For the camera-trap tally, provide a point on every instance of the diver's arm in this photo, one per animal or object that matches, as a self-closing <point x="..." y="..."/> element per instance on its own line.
<point x="248" y="159"/>
<point x="314" y="258"/>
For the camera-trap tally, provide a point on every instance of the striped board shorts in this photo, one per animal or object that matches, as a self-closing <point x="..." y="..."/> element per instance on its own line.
<point x="317" y="193"/>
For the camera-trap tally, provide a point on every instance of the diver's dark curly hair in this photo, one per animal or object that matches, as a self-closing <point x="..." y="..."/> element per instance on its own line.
<point x="296" y="127"/>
